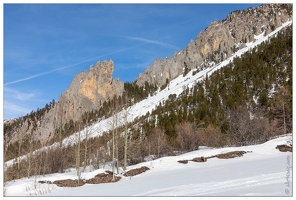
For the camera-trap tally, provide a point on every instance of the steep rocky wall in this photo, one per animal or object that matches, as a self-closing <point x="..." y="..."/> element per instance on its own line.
<point x="217" y="42"/>
<point x="88" y="90"/>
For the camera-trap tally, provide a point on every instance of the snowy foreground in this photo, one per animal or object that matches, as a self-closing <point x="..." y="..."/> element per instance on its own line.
<point x="263" y="171"/>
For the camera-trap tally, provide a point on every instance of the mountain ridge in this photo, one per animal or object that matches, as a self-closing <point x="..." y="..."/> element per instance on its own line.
<point x="176" y="86"/>
<point x="217" y="42"/>
<point x="139" y="109"/>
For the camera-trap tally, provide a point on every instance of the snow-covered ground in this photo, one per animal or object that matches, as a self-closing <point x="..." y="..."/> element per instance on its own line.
<point x="175" y="86"/>
<point x="263" y="171"/>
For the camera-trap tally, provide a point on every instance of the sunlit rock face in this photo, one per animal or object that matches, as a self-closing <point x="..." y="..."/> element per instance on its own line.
<point x="218" y="42"/>
<point x="87" y="92"/>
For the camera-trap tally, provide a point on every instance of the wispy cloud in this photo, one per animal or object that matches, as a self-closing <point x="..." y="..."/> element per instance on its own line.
<point x="37" y="75"/>
<point x="18" y="102"/>
<point x="47" y="72"/>
<point x="154" y="42"/>
<point x="10" y="93"/>
<point x="12" y="109"/>
<point x="144" y="40"/>
<point x="69" y="66"/>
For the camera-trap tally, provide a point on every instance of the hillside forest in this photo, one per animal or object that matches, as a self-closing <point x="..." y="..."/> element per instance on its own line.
<point x="249" y="101"/>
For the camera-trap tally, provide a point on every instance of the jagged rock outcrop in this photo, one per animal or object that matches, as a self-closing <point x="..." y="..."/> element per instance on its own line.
<point x="89" y="89"/>
<point x="87" y="92"/>
<point x="218" y="42"/>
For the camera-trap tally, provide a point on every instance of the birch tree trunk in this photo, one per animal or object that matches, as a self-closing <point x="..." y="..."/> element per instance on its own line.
<point x="116" y="145"/>
<point x="78" y="157"/>
<point x="113" y="146"/>
<point x="20" y="142"/>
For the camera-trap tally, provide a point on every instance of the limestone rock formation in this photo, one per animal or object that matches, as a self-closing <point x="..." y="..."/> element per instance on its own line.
<point x="218" y="42"/>
<point x="88" y="90"/>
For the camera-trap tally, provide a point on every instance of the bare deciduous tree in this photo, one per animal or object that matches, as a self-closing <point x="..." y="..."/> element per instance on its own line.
<point x="239" y="125"/>
<point x="245" y="129"/>
<point x="281" y="110"/>
<point x="20" y="143"/>
<point x="77" y="157"/>
<point x="114" y="144"/>
<point x="186" y="136"/>
<point x="126" y="135"/>
<point x="29" y="156"/>
<point x="210" y="136"/>
<point x="157" y="142"/>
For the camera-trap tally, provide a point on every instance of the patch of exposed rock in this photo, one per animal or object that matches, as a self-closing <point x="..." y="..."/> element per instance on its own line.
<point x="284" y="148"/>
<point x="103" y="178"/>
<point x="199" y="159"/>
<point x="228" y="155"/>
<point x="232" y="154"/>
<point x="99" y="178"/>
<point x="88" y="90"/>
<point x="136" y="171"/>
<point x="183" y="161"/>
<point x="218" y="42"/>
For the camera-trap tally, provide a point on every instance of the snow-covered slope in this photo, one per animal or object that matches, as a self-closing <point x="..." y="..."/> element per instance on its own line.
<point x="263" y="171"/>
<point x="175" y="86"/>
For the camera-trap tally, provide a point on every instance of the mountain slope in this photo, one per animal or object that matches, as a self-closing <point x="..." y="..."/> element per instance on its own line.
<point x="148" y="123"/>
<point x="141" y="108"/>
<point x="175" y="86"/>
<point x="219" y="41"/>
<point x="90" y="89"/>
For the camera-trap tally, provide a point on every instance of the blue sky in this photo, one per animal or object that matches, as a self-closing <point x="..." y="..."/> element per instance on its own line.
<point x="46" y="45"/>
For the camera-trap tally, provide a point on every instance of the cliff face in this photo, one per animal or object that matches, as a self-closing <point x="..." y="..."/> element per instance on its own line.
<point x="88" y="90"/>
<point x="218" y="42"/>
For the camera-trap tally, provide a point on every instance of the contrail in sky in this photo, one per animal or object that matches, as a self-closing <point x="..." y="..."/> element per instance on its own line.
<point x="146" y="41"/>
<point x="154" y="42"/>
<point x="61" y="68"/>
<point x="41" y="74"/>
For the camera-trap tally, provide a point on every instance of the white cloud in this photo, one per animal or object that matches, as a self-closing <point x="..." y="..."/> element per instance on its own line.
<point x="12" y="109"/>
<point x="16" y="102"/>
<point x="14" y="94"/>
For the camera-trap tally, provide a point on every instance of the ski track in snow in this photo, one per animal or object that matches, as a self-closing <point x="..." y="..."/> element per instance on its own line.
<point x="210" y="188"/>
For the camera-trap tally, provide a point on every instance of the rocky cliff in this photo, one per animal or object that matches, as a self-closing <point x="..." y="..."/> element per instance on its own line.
<point x="88" y="90"/>
<point x="218" y="42"/>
